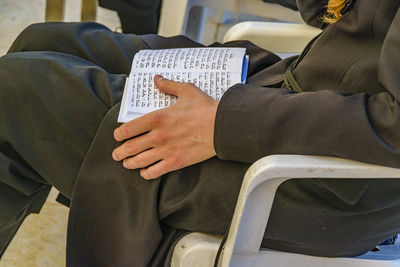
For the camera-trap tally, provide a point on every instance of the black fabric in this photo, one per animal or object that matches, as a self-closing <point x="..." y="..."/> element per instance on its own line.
<point x="184" y="197"/>
<point x="51" y="104"/>
<point x="136" y="16"/>
<point x="312" y="10"/>
<point x="14" y="207"/>
<point x="63" y="200"/>
<point x="286" y="3"/>
<point x="56" y="128"/>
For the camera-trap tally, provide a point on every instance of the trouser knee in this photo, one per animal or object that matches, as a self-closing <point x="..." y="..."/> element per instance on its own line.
<point x="19" y="72"/>
<point x="51" y="36"/>
<point x="28" y="39"/>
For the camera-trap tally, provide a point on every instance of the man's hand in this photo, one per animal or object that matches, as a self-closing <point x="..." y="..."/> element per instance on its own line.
<point x="171" y="138"/>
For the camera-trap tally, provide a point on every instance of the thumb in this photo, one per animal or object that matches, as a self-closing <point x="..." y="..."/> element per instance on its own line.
<point x="169" y="86"/>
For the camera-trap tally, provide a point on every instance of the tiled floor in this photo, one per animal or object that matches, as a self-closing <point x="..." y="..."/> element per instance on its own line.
<point x="40" y="242"/>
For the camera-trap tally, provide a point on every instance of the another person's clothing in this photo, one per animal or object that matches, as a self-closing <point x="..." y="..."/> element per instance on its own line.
<point x="136" y="16"/>
<point x="286" y="3"/>
<point x="56" y="127"/>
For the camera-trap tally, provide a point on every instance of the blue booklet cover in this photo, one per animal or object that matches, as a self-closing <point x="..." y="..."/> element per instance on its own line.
<point x="245" y="68"/>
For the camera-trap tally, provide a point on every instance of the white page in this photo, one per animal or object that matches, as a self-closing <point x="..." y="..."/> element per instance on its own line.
<point x="144" y="100"/>
<point x="213" y="70"/>
<point x="189" y="59"/>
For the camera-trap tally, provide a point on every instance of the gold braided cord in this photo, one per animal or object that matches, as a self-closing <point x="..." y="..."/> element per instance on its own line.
<point x="333" y="11"/>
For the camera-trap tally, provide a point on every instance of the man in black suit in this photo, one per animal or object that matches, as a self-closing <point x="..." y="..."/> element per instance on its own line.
<point x="340" y="98"/>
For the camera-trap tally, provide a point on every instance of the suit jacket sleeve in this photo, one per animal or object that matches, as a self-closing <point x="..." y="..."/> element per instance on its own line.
<point x="253" y="122"/>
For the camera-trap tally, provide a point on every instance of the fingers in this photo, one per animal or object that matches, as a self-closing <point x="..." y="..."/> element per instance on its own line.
<point x="145" y="123"/>
<point x="134" y="127"/>
<point x="171" y="138"/>
<point x="157" y="170"/>
<point x="172" y="87"/>
<point x="143" y="159"/>
<point x="132" y="147"/>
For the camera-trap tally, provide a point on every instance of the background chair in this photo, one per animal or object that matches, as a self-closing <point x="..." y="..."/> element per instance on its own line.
<point x="284" y="39"/>
<point x="188" y="16"/>
<point x="242" y="247"/>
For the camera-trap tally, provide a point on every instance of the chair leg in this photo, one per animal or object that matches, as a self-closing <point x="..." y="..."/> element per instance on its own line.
<point x="88" y="10"/>
<point x="172" y="18"/>
<point x="195" y="23"/>
<point x="54" y="10"/>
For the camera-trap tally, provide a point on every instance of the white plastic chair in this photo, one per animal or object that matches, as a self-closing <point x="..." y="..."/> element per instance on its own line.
<point x="254" y="204"/>
<point x="175" y="14"/>
<point x="242" y="247"/>
<point x="281" y="38"/>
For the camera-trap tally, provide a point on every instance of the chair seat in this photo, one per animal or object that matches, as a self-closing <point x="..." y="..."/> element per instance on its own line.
<point x="199" y="250"/>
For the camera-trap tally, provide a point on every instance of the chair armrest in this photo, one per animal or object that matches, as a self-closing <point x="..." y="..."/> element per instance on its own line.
<point x="261" y="182"/>
<point x="273" y="36"/>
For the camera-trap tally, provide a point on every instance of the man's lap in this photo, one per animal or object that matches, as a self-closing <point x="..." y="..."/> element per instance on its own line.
<point x="180" y="200"/>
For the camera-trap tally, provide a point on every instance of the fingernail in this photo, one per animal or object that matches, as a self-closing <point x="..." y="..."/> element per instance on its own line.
<point x="116" y="134"/>
<point x="143" y="173"/>
<point x="159" y="77"/>
<point x="114" y="155"/>
<point x="125" y="164"/>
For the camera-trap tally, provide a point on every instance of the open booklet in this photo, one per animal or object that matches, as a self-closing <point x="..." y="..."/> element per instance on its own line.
<point x="213" y="70"/>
